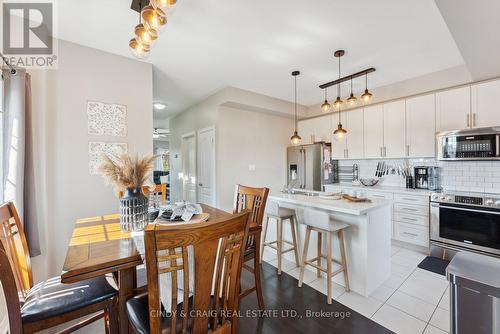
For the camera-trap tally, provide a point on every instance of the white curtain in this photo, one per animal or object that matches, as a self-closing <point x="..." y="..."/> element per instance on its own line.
<point x="17" y="152"/>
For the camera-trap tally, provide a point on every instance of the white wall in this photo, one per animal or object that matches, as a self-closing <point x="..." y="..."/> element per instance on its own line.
<point x="248" y="138"/>
<point x="66" y="189"/>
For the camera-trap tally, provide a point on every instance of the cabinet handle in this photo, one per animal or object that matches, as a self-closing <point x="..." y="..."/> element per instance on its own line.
<point x="347" y="153"/>
<point x="410" y="219"/>
<point x="468" y="120"/>
<point x="385" y="151"/>
<point x="409" y="209"/>
<point x="474" y="119"/>
<point x="411" y="234"/>
<point x="407" y="150"/>
<point x="381" y="151"/>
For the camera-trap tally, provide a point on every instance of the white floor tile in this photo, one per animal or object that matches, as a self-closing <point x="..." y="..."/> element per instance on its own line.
<point x="441" y="319"/>
<point x="382" y="293"/>
<point x="411" y="254"/>
<point x="309" y="276"/>
<point x="286" y="265"/>
<point x="427" y="288"/>
<point x="412" y="305"/>
<point x="394" y="281"/>
<point x="360" y="304"/>
<point x="408" y="261"/>
<point x="268" y="254"/>
<point x="401" y="270"/>
<point x="426" y="273"/>
<point x="445" y="301"/>
<point x="320" y="285"/>
<point x="398" y="321"/>
<point x="433" y="330"/>
<point x="394" y="250"/>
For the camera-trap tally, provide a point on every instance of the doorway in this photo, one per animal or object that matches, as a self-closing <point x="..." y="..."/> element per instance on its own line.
<point x="188" y="149"/>
<point x="206" y="166"/>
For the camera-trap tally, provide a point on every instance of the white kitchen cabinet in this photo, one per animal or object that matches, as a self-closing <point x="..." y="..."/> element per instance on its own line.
<point x="374" y="131"/>
<point x="315" y="129"/>
<point x="453" y="109"/>
<point x="355" y="134"/>
<point x="485" y="104"/>
<point x="421" y="126"/>
<point x="395" y="129"/>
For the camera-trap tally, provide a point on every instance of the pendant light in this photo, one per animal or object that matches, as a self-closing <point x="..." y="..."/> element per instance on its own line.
<point x="352" y="99"/>
<point x="154" y="18"/>
<point x="340" y="132"/>
<point x="367" y="96"/>
<point x="338" y="102"/>
<point x="295" y="139"/>
<point x="138" y="49"/>
<point x="163" y="4"/>
<point x="326" y="106"/>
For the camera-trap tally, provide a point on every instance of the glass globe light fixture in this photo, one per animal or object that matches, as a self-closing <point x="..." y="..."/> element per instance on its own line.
<point x="295" y="139"/>
<point x="145" y="35"/>
<point x="367" y="96"/>
<point x="138" y="49"/>
<point x="154" y="18"/>
<point x="339" y="133"/>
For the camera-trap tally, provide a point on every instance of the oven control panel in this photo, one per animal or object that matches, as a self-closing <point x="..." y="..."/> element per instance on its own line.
<point x="469" y="200"/>
<point x="484" y="201"/>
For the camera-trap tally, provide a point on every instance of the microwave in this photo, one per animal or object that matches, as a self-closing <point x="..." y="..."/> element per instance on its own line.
<point x="470" y="144"/>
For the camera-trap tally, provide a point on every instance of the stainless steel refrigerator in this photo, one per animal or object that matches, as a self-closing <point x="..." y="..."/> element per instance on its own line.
<point x="310" y="167"/>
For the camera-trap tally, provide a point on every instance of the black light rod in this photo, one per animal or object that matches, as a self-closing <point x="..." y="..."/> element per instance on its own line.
<point x="347" y="78"/>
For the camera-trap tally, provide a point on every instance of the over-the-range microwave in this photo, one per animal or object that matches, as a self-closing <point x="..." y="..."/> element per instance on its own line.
<point x="470" y="144"/>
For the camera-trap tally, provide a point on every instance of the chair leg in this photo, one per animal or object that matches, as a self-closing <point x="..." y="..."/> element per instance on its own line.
<point x="112" y="315"/>
<point x="329" y="267"/>
<point x="344" y="259"/>
<point x="264" y="233"/>
<point x="304" y="255"/>
<point x="279" y="226"/>
<point x="257" y="276"/>
<point x="318" y="272"/>
<point x="293" y="229"/>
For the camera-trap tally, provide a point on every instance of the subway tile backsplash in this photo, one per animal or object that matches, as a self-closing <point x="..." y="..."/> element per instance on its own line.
<point x="473" y="176"/>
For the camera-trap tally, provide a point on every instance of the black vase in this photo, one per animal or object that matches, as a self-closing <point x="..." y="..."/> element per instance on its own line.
<point x="133" y="210"/>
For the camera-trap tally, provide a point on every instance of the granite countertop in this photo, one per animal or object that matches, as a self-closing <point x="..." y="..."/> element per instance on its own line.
<point x="341" y="205"/>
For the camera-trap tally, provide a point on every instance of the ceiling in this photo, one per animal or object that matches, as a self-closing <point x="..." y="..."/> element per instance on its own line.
<point x="254" y="45"/>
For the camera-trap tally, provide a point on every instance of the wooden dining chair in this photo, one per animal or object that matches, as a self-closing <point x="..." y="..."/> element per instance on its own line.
<point x="213" y="250"/>
<point x="49" y="303"/>
<point x="254" y="200"/>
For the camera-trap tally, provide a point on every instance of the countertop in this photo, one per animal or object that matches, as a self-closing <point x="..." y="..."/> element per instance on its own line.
<point x="382" y="188"/>
<point x="341" y="205"/>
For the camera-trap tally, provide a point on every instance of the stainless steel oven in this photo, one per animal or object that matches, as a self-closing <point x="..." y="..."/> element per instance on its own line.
<point x="471" y="144"/>
<point x="466" y="221"/>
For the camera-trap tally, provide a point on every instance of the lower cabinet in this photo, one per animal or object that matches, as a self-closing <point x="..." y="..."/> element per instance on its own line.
<point x="412" y="234"/>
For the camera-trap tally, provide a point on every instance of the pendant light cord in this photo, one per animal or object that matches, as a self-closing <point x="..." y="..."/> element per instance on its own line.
<point x="295" y="103"/>
<point x="339" y="92"/>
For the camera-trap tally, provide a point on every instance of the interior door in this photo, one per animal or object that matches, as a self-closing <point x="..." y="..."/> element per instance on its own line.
<point x="188" y="148"/>
<point x="206" y="166"/>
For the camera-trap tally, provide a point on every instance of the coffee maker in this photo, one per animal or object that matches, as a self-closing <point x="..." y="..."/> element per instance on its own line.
<point x="427" y="177"/>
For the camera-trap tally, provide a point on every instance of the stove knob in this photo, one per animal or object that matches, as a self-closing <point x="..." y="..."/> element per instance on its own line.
<point x="497" y="203"/>
<point x="449" y="198"/>
<point x="489" y="202"/>
<point x="442" y="198"/>
<point x="435" y="197"/>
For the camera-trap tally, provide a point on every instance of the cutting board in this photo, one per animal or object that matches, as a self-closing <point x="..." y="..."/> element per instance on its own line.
<point x="355" y="199"/>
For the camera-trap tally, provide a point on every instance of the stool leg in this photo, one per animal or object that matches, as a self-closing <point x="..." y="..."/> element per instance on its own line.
<point x="304" y="255"/>
<point x="279" y="226"/>
<point x="344" y="259"/>
<point x="293" y="221"/>
<point x="264" y="233"/>
<point x="318" y="272"/>
<point x="329" y="267"/>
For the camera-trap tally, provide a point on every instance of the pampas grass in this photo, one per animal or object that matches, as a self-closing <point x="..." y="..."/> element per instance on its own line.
<point x="125" y="171"/>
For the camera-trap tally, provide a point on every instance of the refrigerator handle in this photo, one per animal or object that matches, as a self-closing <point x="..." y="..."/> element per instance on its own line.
<point x="304" y="174"/>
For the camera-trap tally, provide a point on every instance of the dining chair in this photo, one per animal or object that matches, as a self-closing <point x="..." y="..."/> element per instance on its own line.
<point x="49" y="303"/>
<point x="213" y="252"/>
<point x="254" y="200"/>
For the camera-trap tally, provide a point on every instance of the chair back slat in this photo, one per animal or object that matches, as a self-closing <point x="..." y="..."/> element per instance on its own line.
<point x="254" y="200"/>
<point x="10" y="292"/>
<point x="217" y="250"/>
<point x="15" y="245"/>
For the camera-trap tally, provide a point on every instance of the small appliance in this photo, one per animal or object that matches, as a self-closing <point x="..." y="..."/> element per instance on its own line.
<point x="427" y="177"/>
<point x="470" y="144"/>
<point x="466" y="221"/>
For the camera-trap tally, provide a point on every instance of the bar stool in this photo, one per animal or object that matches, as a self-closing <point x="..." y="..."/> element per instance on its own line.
<point x="322" y="223"/>
<point x="273" y="210"/>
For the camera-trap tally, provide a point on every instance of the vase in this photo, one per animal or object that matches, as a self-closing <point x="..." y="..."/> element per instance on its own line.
<point x="133" y="210"/>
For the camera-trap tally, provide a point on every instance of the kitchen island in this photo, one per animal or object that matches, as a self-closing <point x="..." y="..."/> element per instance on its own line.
<point x="367" y="240"/>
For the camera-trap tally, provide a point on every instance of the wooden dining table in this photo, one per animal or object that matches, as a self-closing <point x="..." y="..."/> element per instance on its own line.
<point x="98" y="247"/>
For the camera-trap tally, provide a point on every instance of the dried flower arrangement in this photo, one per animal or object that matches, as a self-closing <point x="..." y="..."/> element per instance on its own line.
<point x="125" y="171"/>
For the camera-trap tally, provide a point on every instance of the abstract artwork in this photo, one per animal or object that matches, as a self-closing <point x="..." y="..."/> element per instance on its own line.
<point x="106" y="119"/>
<point x="97" y="148"/>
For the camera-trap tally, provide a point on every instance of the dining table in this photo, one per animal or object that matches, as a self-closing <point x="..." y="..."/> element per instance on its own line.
<point x="98" y="247"/>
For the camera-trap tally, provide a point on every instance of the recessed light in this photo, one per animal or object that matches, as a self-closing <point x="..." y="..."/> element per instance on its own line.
<point x="159" y="106"/>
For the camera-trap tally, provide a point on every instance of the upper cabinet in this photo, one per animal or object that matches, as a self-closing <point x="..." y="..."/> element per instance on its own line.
<point x="351" y="146"/>
<point x="485" y="111"/>
<point x="394" y="129"/>
<point x="374" y="131"/>
<point x="421" y="126"/>
<point x="315" y="129"/>
<point x="453" y="109"/>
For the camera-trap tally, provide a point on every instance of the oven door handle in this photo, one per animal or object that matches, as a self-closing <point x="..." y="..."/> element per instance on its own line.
<point x="471" y="210"/>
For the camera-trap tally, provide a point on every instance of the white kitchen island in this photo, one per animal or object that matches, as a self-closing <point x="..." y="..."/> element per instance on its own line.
<point x="367" y="240"/>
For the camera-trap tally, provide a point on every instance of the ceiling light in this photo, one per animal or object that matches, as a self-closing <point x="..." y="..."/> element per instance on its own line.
<point x="154" y="18"/>
<point x="163" y="4"/>
<point x="145" y="35"/>
<point x="367" y="96"/>
<point x="352" y="99"/>
<point x="295" y="139"/>
<point x="159" y="106"/>
<point x="326" y="106"/>
<point x="339" y="133"/>
<point x="138" y="49"/>
<point x="338" y="102"/>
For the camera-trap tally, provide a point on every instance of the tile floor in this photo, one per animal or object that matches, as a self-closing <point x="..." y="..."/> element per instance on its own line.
<point x="411" y="301"/>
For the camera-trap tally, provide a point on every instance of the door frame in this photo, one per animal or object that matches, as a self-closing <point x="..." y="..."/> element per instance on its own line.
<point x="214" y="172"/>
<point x="183" y="137"/>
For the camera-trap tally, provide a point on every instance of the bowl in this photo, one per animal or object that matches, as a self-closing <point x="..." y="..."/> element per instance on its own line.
<point x="369" y="182"/>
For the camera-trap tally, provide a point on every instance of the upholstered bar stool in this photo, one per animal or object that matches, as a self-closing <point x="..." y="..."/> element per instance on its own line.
<point x="324" y="225"/>
<point x="280" y="214"/>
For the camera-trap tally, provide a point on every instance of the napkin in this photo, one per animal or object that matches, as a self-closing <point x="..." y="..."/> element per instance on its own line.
<point x="185" y="210"/>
